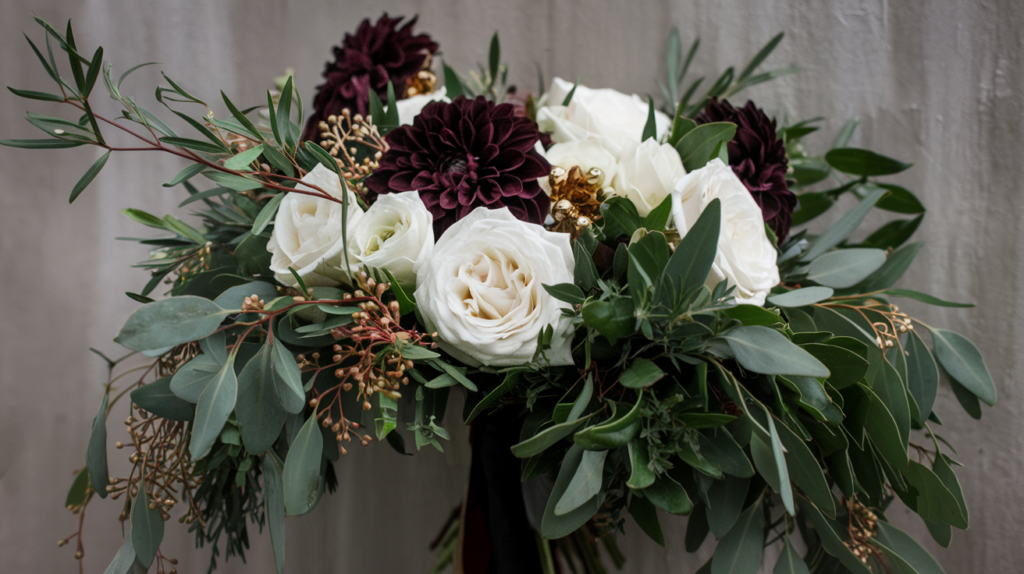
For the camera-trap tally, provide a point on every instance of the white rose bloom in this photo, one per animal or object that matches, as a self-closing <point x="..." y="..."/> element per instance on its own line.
<point x="647" y="173"/>
<point x="482" y="290"/>
<point x="586" y="153"/>
<point x="396" y="233"/>
<point x="411" y="107"/>
<point x="604" y="112"/>
<point x="307" y="232"/>
<point x="746" y="257"/>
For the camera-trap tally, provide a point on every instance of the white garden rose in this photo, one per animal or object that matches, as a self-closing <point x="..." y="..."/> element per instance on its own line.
<point x="603" y="112"/>
<point x="482" y="290"/>
<point x="746" y="257"/>
<point x="647" y="173"/>
<point x="411" y="107"/>
<point x="586" y="153"/>
<point x="396" y="233"/>
<point x="307" y="232"/>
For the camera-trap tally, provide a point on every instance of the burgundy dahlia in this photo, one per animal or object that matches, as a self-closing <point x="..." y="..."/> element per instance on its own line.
<point x="367" y="60"/>
<point x="758" y="157"/>
<point x="464" y="155"/>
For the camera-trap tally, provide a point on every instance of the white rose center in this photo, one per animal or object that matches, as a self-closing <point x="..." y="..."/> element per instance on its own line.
<point x="494" y="287"/>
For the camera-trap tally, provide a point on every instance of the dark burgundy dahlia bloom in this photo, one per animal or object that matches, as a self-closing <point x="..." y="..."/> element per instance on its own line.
<point x="464" y="155"/>
<point x="758" y="157"/>
<point x="367" y="60"/>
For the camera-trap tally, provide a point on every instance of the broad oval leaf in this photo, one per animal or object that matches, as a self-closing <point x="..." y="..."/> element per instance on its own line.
<point x="301" y="476"/>
<point x="739" y="552"/>
<point x="214" y="406"/>
<point x="726" y="499"/>
<point x="585" y="484"/>
<point x="669" y="495"/>
<point x="845" y="267"/>
<point x="964" y="362"/>
<point x="646" y="516"/>
<point x="147" y="528"/>
<point x="259" y="411"/>
<point x="639" y="458"/>
<point x="801" y="297"/>
<point x="157" y="398"/>
<point x="695" y="148"/>
<point x="641" y="373"/>
<point x="96" y="451"/>
<point x="769" y="352"/>
<point x="790" y="561"/>
<point x="864" y="162"/>
<point x="555" y="526"/>
<point x="192" y="378"/>
<point x="846" y="225"/>
<point x="288" y="379"/>
<point x="170" y="322"/>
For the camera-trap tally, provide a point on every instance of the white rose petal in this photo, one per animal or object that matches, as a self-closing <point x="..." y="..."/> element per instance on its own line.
<point x="603" y="112"/>
<point x="647" y="174"/>
<point x="396" y="233"/>
<point x="411" y="107"/>
<point x="482" y="290"/>
<point x="746" y="257"/>
<point x="307" y="232"/>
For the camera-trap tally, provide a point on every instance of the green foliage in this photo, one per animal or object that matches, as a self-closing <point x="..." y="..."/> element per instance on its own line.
<point x="301" y="475"/>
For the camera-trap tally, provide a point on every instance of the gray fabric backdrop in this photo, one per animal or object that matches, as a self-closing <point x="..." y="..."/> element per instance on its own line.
<point x="938" y="83"/>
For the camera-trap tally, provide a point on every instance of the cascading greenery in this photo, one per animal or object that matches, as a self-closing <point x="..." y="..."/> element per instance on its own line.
<point x="806" y="417"/>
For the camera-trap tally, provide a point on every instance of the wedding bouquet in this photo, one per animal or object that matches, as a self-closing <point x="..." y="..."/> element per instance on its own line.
<point x="619" y="291"/>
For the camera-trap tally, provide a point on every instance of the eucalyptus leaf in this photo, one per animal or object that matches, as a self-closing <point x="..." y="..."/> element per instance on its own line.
<point x="725" y="501"/>
<point x="646" y="516"/>
<point x="845" y="267"/>
<point x="157" y="398"/>
<point x="147" y="528"/>
<point x="964" y="363"/>
<point x="846" y="225"/>
<point x="557" y="526"/>
<point x="739" y="552"/>
<point x="260" y="414"/>
<point x="215" y="404"/>
<point x="301" y="477"/>
<point x="288" y="379"/>
<point x="274" y="487"/>
<point x="96" y="451"/>
<point x="801" y="297"/>
<point x="767" y="351"/>
<point x="169" y="322"/>
<point x="585" y="483"/>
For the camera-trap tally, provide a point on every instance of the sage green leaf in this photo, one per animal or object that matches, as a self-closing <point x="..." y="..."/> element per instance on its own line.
<point x="646" y="516"/>
<point x="301" y="477"/>
<point x="40" y="143"/>
<point x="908" y="549"/>
<point x="781" y="468"/>
<point x="90" y="175"/>
<point x="769" y="352"/>
<point x="704" y="420"/>
<point x="170" y="322"/>
<point x="585" y="483"/>
<point x="274" y="488"/>
<point x="240" y="162"/>
<point x="924" y="298"/>
<point x="688" y="268"/>
<point x="696" y="146"/>
<point x="567" y="292"/>
<point x="267" y="213"/>
<point x="845" y="267"/>
<point x="696" y="529"/>
<point x="157" y="398"/>
<point x="639" y="458"/>
<point x="944" y="471"/>
<point x="650" y="128"/>
<point x="884" y="432"/>
<point x="185" y="174"/>
<point x="805" y="470"/>
<point x="723" y="449"/>
<point x="288" y="382"/>
<point x="192" y="144"/>
<point x="964" y="363"/>
<point x="614" y="433"/>
<point x="864" y="162"/>
<point x="846" y="225"/>
<point x="922" y="374"/>
<point x="259" y="412"/>
<point x="931" y="499"/>
<point x="641" y="373"/>
<point x="76" y="494"/>
<point x="232" y="181"/>
<point x="214" y="406"/>
<point x="33" y="95"/>
<point x="147" y="528"/>
<point x="893" y="234"/>
<point x="96" y="451"/>
<point x="669" y="495"/>
<point x="555" y="526"/>
<point x="801" y="297"/>
<point x="832" y="534"/>
<point x="124" y="559"/>
<point x="192" y="378"/>
<point x="812" y="204"/>
<point x="235" y="296"/>
<point x="967" y="400"/>
<point x="698" y="461"/>
<point x="739" y="552"/>
<point x="547" y="437"/>
<point x="725" y="501"/>
<point x="845" y="367"/>
<point x="894" y="267"/>
<point x="752" y="315"/>
<point x="790" y="561"/>
<point x="614" y="318"/>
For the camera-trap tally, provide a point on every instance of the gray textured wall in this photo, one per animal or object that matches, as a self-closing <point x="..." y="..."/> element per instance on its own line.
<point x="938" y="83"/>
